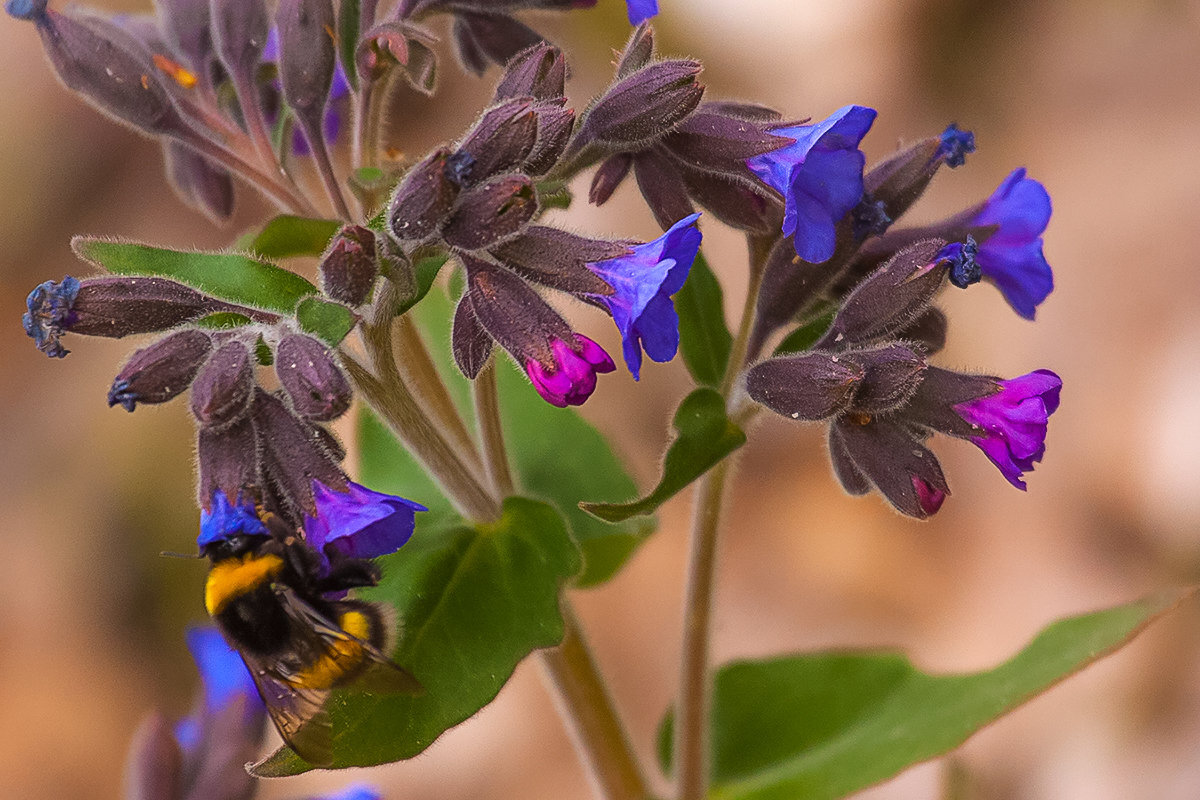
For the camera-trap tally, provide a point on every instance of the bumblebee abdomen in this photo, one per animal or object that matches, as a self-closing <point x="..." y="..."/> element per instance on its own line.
<point x="346" y="658"/>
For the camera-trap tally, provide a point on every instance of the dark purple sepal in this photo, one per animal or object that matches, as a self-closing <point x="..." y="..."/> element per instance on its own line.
<point x="491" y="212"/>
<point x="555" y="124"/>
<point x="513" y="313"/>
<point x="199" y="182"/>
<point x="350" y="265"/>
<point x="292" y="455"/>
<point x="470" y="343"/>
<point x="608" y="177"/>
<point x="662" y="187"/>
<point x="932" y="406"/>
<point x="810" y="386"/>
<point x="307" y="56"/>
<point x="644" y="106"/>
<point x="558" y="259"/>
<point x="421" y="203"/>
<point x="483" y="38"/>
<point x="311" y="377"/>
<point x="848" y="475"/>
<point x="221" y="391"/>
<point x="738" y="203"/>
<point x="228" y="462"/>
<point x="903" y="177"/>
<point x="890" y="297"/>
<point x="891" y="375"/>
<point x="638" y="51"/>
<point x="239" y="30"/>
<point x="539" y="72"/>
<point x="895" y="461"/>
<point x="161" y="371"/>
<point x="357" y="522"/>
<point x="715" y="142"/>
<point x="501" y="139"/>
<point x="154" y="765"/>
<point x="928" y="331"/>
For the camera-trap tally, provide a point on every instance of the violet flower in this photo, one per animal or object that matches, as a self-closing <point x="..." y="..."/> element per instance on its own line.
<point x="643" y="282"/>
<point x="641" y="10"/>
<point x="1013" y="422"/>
<point x="1011" y="256"/>
<point x="359" y="522"/>
<point x="820" y="176"/>
<point x="574" y="379"/>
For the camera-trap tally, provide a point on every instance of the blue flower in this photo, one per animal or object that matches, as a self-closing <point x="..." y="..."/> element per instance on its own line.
<point x="641" y="10"/>
<point x="819" y="176"/>
<point x="963" y="262"/>
<point x="1010" y="249"/>
<point x="955" y="146"/>
<point x="226" y="519"/>
<point x="355" y="791"/>
<point x="224" y="678"/>
<point x="359" y="522"/>
<point x="643" y="282"/>
<point x="50" y="311"/>
<point x="34" y="9"/>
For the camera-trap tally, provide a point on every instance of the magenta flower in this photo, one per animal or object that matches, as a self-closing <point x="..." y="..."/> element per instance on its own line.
<point x="1012" y="422"/>
<point x="574" y="378"/>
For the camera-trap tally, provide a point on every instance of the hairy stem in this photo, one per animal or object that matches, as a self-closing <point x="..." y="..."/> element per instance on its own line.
<point x="286" y="197"/>
<point x="491" y="433"/>
<point x="692" y="709"/>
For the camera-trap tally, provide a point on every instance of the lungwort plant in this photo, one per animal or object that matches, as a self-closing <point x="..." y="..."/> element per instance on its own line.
<point x="508" y="501"/>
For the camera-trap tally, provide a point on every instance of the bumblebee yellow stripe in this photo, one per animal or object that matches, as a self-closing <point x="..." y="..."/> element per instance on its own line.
<point x="344" y="658"/>
<point x="237" y="576"/>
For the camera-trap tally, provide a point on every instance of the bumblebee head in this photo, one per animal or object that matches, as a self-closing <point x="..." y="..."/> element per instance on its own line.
<point x="230" y="529"/>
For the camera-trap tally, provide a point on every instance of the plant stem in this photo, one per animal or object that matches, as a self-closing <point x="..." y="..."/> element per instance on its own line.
<point x="585" y="705"/>
<point x="320" y="151"/>
<point x="491" y="433"/>
<point x="692" y="709"/>
<point x="285" y="197"/>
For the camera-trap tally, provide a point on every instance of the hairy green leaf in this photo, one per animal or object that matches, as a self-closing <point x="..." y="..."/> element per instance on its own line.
<point x="704" y="339"/>
<point x="704" y="436"/>
<point x="287" y="236"/>
<point x="325" y="319"/>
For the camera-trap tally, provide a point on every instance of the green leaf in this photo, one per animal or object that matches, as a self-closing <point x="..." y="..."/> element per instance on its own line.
<point x="425" y="271"/>
<point x="227" y="276"/>
<point x="472" y="602"/>
<point x="287" y="236"/>
<point x="325" y="319"/>
<point x="704" y="339"/>
<point x="704" y="437"/>
<point x="349" y="20"/>
<point x="223" y="319"/>
<point x="808" y="334"/>
<point x="385" y="466"/>
<point x="824" y="725"/>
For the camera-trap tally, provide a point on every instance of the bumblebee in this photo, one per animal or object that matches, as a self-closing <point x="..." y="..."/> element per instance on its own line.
<point x="270" y="596"/>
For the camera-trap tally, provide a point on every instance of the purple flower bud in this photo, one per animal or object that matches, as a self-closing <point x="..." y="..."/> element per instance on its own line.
<point x="501" y="139"/>
<point x="98" y="60"/>
<point x="644" y="106"/>
<point x="308" y="373"/>
<point x="422" y="202"/>
<point x="492" y="212"/>
<point x="903" y="177"/>
<point x="307" y="57"/>
<point x="228" y="464"/>
<point x="221" y="391"/>
<point x="160" y="372"/>
<point x="539" y="72"/>
<point x="1009" y="230"/>
<point x="893" y="460"/>
<point x="928" y="330"/>
<point x="240" y="29"/>
<point x="349" y="266"/>
<point x="662" y="186"/>
<point x="819" y="176"/>
<point x="810" y="386"/>
<point x="638" y="51"/>
<point x="642" y="284"/>
<point x="571" y="377"/>
<point x="719" y="142"/>
<point x="891" y="375"/>
<point x="608" y="177"/>
<point x="555" y="124"/>
<point x="189" y="31"/>
<point x="559" y="259"/>
<point x="199" y="182"/>
<point x="111" y="307"/>
<point x="738" y="203"/>
<point x="357" y="522"/>
<point x="292" y="455"/>
<point x="890" y="297"/>
<point x="641" y="10"/>
<point x="481" y="38"/>
<point x="471" y="344"/>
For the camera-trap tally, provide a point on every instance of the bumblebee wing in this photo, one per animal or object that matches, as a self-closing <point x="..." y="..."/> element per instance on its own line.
<point x="298" y="713"/>
<point x="380" y="675"/>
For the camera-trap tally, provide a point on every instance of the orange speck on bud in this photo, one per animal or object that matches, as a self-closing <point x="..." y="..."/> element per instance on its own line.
<point x="332" y="35"/>
<point x="145" y="81"/>
<point x="176" y="70"/>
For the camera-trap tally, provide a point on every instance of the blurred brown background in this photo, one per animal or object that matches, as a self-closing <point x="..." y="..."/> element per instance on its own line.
<point x="1098" y="98"/>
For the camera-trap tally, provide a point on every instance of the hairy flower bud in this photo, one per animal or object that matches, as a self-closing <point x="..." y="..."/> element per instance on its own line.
<point x="312" y="379"/>
<point x="662" y="187"/>
<point x="894" y="461"/>
<point x="199" y="182"/>
<point x="810" y="386"/>
<point x="500" y="140"/>
<point x="928" y="330"/>
<point x="903" y="177"/>
<point x="539" y="72"/>
<point x="891" y="374"/>
<point x="239" y="29"/>
<point x="555" y="123"/>
<point x="644" y="106"/>
<point x="307" y="57"/>
<point x="349" y="266"/>
<point x="188" y="27"/>
<point x="470" y="342"/>
<point x="160" y="372"/>
<point x="221" y="391"/>
<point x="292" y="455"/>
<point x="490" y="213"/>
<point x="228" y="461"/>
<point x="481" y="38"/>
<point x="608" y="177"/>
<point x="559" y="259"/>
<point x="716" y="141"/>
<point x="422" y="202"/>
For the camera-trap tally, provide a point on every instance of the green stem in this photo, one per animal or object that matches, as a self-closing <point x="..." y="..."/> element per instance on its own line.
<point x="692" y="710"/>
<point x="491" y="432"/>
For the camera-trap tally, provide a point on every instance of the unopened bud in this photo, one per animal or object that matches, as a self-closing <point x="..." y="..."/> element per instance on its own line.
<point x="491" y="213"/>
<point x="189" y="32"/>
<point x="608" y="177"/>
<point x="483" y="38"/>
<point x="891" y="374"/>
<point x="810" y="386"/>
<point x="160" y="372"/>
<point x="291" y="455"/>
<point x="539" y="72"/>
<point x="470" y="342"/>
<point x="716" y="141"/>
<point x="239" y="29"/>
<point x="199" y="182"/>
<point x="559" y="259"/>
<point x="903" y="177"/>
<point x="662" y="187"/>
<point x="421" y="204"/>
<point x="644" y="106"/>
<point x="500" y="140"/>
<point x="228" y="460"/>
<point x="349" y="266"/>
<point x="638" y="51"/>
<point x="513" y="313"/>
<point x="221" y="391"/>
<point x="308" y="373"/>
<point x="555" y="123"/>
<point x="307" y="57"/>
